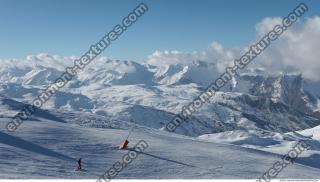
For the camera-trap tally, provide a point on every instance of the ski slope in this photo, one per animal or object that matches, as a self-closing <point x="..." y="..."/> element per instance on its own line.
<point x="49" y="149"/>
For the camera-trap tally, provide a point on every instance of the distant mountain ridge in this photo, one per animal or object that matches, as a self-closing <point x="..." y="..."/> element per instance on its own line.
<point x="127" y="89"/>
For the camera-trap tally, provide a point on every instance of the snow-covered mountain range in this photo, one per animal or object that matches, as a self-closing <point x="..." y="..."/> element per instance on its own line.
<point x="126" y="89"/>
<point x="256" y="110"/>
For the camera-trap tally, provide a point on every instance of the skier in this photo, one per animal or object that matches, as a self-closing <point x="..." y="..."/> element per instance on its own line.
<point x="79" y="164"/>
<point x="292" y="160"/>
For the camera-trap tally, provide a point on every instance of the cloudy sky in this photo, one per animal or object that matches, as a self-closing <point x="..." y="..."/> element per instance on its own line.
<point x="171" y="31"/>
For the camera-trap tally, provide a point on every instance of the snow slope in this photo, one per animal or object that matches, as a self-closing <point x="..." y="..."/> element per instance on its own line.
<point x="49" y="149"/>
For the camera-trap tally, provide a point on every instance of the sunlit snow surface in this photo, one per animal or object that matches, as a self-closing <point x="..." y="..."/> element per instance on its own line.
<point x="49" y="149"/>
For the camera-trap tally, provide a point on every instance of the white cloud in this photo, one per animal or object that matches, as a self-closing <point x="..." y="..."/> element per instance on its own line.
<point x="159" y="58"/>
<point x="215" y="53"/>
<point x="297" y="50"/>
<point x="267" y="24"/>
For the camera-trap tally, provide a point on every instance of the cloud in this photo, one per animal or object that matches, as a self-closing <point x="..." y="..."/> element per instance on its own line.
<point x="267" y="24"/>
<point x="297" y="50"/>
<point x="215" y="54"/>
<point x="159" y="58"/>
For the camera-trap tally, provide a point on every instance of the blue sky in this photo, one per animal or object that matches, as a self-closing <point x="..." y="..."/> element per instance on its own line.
<point x="69" y="27"/>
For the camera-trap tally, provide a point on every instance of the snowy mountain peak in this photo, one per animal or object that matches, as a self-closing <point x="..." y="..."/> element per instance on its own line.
<point x="199" y="72"/>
